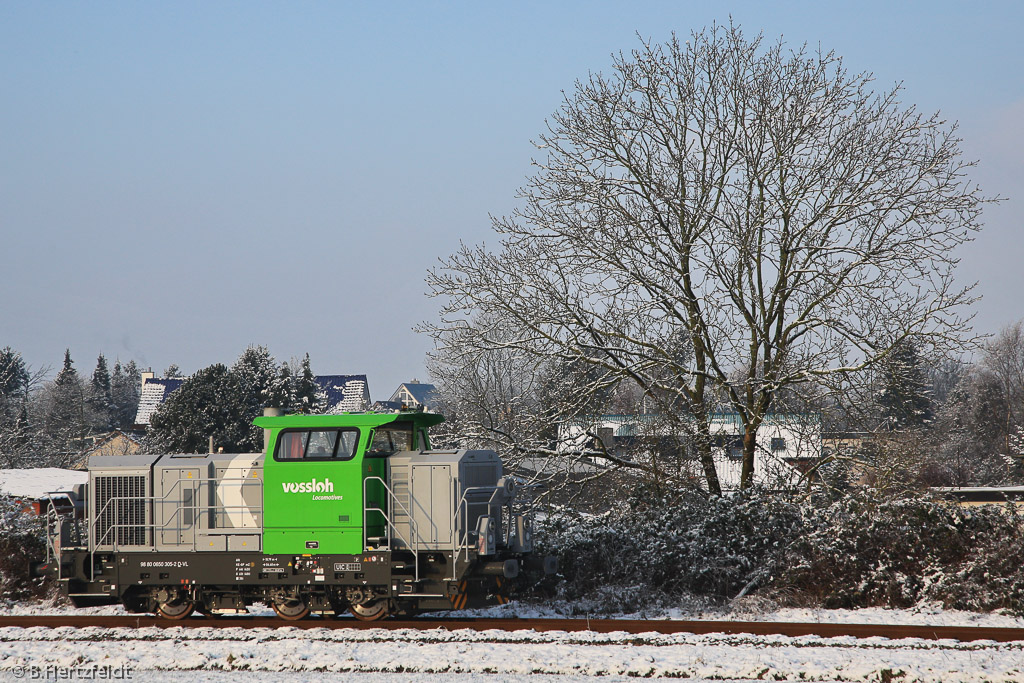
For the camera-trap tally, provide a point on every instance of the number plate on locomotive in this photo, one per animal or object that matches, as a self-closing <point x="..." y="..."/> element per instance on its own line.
<point x="347" y="567"/>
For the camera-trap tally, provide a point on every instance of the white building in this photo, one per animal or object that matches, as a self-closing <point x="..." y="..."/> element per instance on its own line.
<point x="785" y="443"/>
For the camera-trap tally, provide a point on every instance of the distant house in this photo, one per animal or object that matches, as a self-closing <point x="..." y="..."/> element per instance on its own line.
<point x="31" y="487"/>
<point x="155" y="391"/>
<point x="344" y="393"/>
<point x="415" y="394"/>
<point x="786" y="444"/>
<point x="112" y="443"/>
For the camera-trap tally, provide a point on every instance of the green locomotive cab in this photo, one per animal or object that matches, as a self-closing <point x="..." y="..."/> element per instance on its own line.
<point x="353" y="512"/>
<point x="325" y="478"/>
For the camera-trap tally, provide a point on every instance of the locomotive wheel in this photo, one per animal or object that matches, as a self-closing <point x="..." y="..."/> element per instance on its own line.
<point x="176" y="609"/>
<point x="371" y="611"/>
<point x="290" y="609"/>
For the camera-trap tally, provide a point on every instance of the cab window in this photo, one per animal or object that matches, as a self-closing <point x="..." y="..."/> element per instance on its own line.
<point x="317" y="444"/>
<point x="390" y="439"/>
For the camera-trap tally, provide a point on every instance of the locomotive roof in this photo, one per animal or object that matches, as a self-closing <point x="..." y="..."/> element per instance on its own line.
<point x="420" y="419"/>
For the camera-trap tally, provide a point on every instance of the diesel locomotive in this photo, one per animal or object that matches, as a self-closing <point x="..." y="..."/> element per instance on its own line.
<point x="351" y="512"/>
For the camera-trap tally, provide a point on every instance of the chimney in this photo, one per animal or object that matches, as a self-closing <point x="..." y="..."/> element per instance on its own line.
<point x="269" y="412"/>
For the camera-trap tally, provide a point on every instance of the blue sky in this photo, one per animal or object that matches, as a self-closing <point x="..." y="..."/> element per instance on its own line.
<point x="180" y="180"/>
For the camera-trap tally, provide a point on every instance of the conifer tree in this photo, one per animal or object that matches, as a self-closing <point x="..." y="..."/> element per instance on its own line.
<point x="905" y="399"/>
<point x="14" y="376"/>
<point x="307" y="397"/>
<point x="100" y="399"/>
<point x="65" y="423"/>
<point x="210" y="403"/>
<point x="67" y="376"/>
<point x="280" y="395"/>
<point x="125" y="386"/>
<point x="14" y="419"/>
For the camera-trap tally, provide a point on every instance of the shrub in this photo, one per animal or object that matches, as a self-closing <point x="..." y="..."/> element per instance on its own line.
<point x="21" y="542"/>
<point x="862" y="550"/>
<point x="668" y="548"/>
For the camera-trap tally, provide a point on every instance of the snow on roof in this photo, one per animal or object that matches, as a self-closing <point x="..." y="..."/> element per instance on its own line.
<point x="345" y="393"/>
<point x="36" y="483"/>
<point x="154" y="392"/>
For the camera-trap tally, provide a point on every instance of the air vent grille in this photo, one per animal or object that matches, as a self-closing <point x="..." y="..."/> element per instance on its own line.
<point x="120" y="508"/>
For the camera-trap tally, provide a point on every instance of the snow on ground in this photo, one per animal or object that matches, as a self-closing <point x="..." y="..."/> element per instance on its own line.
<point x="925" y="614"/>
<point x="150" y="653"/>
<point x="289" y="655"/>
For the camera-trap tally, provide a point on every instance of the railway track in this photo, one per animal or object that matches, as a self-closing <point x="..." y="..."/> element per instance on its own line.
<point x="792" y="629"/>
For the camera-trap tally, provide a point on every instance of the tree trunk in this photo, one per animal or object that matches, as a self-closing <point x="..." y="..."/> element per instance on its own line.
<point x="749" y="448"/>
<point x="707" y="459"/>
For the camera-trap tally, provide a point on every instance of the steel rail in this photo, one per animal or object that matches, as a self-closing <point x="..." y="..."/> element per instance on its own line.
<point x="633" y="626"/>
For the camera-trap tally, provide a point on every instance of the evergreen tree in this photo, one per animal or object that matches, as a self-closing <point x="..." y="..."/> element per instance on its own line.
<point x="65" y="423"/>
<point x="212" y="402"/>
<point x="68" y="376"/>
<point x="172" y="371"/>
<point x="100" y="400"/>
<point x="14" y="376"/>
<point x="905" y="399"/>
<point x="307" y="396"/>
<point x="14" y="419"/>
<point x="222" y="402"/>
<point x="257" y="373"/>
<point x="125" y="386"/>
<point x="281" y="391"/>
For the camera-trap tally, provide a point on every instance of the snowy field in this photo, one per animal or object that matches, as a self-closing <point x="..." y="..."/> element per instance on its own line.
<point x="289" y="654"/>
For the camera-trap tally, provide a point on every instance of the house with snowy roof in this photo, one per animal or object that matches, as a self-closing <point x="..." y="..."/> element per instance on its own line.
<point x="36" y="488"/>
<point x="343" y="393"/>
<point x="155" y="391"/>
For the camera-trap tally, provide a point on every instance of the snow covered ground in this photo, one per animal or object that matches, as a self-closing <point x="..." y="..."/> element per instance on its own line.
<point x="156" y="653"/>
<point x="288" y="654"/>
<point x="929" y="615"/>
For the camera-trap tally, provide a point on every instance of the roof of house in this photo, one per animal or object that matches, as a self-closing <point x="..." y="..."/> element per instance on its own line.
<point x="37" y="482"/>
<point x="345" y="394"/>
<point x="154" y="393"/>
<point x="422" y="393"/>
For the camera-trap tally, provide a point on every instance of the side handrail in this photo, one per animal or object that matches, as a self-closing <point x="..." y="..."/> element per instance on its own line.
<point x="460" y="521"/>
<point x="93" y="544"/>
<point x="116" y="545"/>
<point x="389" y="524"/>
<point x="150" y="526"/>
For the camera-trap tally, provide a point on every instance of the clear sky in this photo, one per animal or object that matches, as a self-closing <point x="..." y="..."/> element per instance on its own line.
<point x="181" y="180"/>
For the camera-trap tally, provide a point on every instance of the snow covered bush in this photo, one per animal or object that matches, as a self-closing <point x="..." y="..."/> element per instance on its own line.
<point x="865" y="549"/>
<point x="657" y="550"/>
<point x="21" y="542"/>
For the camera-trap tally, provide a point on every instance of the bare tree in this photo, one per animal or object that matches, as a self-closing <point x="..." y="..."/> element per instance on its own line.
<point x="1002" y="361"/>
<point x="761" y="203"/>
